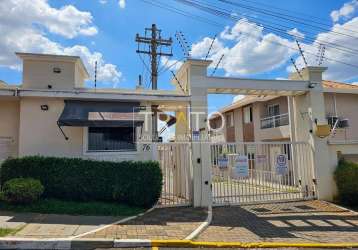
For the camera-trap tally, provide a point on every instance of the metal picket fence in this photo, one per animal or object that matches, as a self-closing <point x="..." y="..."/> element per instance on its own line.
<point x="264" y="180"/>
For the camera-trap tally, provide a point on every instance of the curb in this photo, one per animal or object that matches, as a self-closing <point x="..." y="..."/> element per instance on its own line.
<point x="78" y="244"/>
<point x="194" y="244"/>
<point x="202" y="226"/>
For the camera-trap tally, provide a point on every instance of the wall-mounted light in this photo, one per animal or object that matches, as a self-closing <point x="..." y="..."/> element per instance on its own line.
<point x="57" y="70"/>
<point x="44" y="107"/>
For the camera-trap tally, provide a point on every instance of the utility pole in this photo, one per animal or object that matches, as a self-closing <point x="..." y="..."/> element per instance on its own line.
<point x="155" y="42"/>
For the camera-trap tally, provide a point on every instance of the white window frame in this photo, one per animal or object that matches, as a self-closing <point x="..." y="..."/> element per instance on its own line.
<point x="230" y="119"/>
<point x="271" y="106"/>
<point x="108" y="152"/>
<point x="248" y="113"/>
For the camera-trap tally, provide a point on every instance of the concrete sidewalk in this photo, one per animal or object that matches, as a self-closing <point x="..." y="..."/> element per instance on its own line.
<point x="35" y="225"/>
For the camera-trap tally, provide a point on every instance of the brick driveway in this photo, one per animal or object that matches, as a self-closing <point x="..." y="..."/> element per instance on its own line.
<point x="161" y="223"/>
<point x="309" y="221"/>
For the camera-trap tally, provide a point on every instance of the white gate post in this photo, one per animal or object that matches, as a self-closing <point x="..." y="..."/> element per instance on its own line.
<point x="309" y="111"/>
<point x="190" y="76"/>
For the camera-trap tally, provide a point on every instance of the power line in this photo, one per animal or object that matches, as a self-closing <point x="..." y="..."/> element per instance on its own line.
<point x="301" y="52"/>
<point x="217" y="65"/>
<point x="194" y="17"/>
<point x="330" y="59"/>
<point x="282" y="16"/>
<point x="298" y="15"/>
<point x="219" y="12"/>
<point x="164" y="69"/>
<point x="211" y="46"/>
<point x="294" y="65"/>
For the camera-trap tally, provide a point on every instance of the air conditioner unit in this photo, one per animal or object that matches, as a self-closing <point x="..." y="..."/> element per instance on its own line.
<point x="342" y="122"/>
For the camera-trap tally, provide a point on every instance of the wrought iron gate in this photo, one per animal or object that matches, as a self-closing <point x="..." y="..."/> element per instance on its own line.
<point x="256" y="172"/>
<point x="175" y="162"/>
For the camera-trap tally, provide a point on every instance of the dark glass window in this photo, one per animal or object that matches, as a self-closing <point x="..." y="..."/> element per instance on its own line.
<point x="111" y="139"/>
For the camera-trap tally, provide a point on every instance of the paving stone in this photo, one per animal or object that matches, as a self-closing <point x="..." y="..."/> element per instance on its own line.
<point x="287" y="222"/>
<point x="161" y="223"/>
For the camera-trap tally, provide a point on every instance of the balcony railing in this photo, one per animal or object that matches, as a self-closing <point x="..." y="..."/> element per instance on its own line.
<point x="275" y="121"/>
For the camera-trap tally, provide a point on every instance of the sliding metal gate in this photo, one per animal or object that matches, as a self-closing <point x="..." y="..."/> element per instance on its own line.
<point x="175" y="162"/>
<point x="260" y="172"/>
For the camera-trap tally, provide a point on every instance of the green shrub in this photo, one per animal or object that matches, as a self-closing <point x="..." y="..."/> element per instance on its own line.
<point x="132" y="183"/>
<point x="22" y="190"/>
<point x="346" y="176"/>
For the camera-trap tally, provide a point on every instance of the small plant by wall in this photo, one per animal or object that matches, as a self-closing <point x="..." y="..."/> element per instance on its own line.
<point x="22" y="190"/>
<point x="346" y="176"/>
<point x="132" y="183"/>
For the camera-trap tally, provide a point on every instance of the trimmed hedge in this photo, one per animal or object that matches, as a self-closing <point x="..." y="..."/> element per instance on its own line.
<point x="132" y="183"/>
<point x="346" y="176"/>
<point x="22" y="190"/>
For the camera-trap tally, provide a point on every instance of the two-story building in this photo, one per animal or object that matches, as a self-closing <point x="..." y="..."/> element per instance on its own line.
<point x="266" y="118"/>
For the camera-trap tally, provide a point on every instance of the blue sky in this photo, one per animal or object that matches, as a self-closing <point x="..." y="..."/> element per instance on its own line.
<point x="105" y="31"/>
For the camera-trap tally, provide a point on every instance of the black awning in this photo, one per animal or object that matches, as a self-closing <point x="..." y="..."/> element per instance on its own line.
<point x="100" y="114"/>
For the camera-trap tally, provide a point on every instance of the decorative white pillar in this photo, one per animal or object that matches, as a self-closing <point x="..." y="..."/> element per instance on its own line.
<point x="190" y="76"/>
<point x="309" y="111"/>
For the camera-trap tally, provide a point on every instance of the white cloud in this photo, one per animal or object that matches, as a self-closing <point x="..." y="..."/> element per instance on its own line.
<point x="238" y="98"/>
<point x="67" y="21"/>
<point x="38" y="19"/>
<point x="354" y="83"/>
<point x="122" y="4"/>
<point x="248" y="50"/>
<point x="296" y="34"/>
<point x="201" y="48"/>
<point x="336" y="70"/>
<point x="251" y="52"/>
<point x="345" y="11"/>
<point x="170" y="64"/>
<point x="102" y="1"/>
<point x="106" y="72"/>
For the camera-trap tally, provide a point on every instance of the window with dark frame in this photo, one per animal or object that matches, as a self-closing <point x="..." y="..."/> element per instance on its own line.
<point x="111" y="139"/>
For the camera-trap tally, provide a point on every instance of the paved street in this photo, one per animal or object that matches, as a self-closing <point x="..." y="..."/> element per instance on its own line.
<point x="310" y="221"/>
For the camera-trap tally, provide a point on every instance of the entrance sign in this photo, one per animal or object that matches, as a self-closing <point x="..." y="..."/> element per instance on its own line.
<point x="241" y="166"/>
<point x="223" y="162"/>
<point x="281" y="164"/>
<point x="196" y="135"/>
<point x="261" y="159"/>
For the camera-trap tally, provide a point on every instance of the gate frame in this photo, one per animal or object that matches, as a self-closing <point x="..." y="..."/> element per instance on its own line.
<point x="308" y="111"/>
<point x="185" y="167"/>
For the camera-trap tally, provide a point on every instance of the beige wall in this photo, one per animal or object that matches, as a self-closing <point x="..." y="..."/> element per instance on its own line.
<point x="9" y="122"/>
<point x="347" y="107"/>
<point x="39" y="133"/>
<point x="39" y="74"/>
